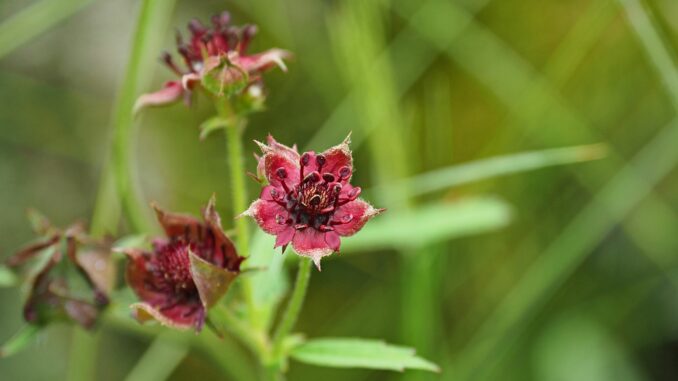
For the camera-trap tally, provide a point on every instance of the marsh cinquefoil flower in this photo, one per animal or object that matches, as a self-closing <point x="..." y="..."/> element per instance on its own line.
<point x="186" y="273"/>
<point x="309" y="201"/>
<point x="216" y="58"/>
<point x="69" y="274"/>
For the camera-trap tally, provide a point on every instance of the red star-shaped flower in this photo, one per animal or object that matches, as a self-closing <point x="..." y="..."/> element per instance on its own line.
<point x="309" y="201"/>
<point x="185" y="273"/>
<point x="215" y="57"/>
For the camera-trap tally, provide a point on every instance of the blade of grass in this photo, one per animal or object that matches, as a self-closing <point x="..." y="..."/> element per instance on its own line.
<point x="654" y="45"/>
<point x="409" y="56"/>
<point x="82" y="358"/>
<point x="609" y="207"/>
<point x="529" y="97"/>
<point x="152" y="22"/>
<point x="159" y="361"/>
<point x="34" y="20"/>
<point x="499" y="166"/>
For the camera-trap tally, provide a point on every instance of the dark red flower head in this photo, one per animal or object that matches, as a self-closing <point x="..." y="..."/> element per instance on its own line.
<point x="309" y="200"/>
<point x="69" y="275"/>
<point x="185" y="273"/>
<point x="216" y="57"/>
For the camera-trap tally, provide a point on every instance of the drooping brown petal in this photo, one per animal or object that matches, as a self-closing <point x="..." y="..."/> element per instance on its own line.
<point x="39" y="292"/>
<point x="31" y="250"/>
<point x="173" y="317"/>
<point x="179" y="225"/>
<point x="225" y="253"/>
<point x="96" y="266"/>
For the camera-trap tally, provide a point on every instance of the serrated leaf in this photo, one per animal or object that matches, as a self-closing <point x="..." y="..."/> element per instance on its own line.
<point x="430" y="224"/>
<point x="7" y="277"/>
<point x="360" y="353"/>
<point x="19" y="341"/>
<point x="211" y="125"/>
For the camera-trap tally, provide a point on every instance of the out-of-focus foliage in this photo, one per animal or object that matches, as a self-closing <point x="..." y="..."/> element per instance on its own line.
<point x="581" y="284"/>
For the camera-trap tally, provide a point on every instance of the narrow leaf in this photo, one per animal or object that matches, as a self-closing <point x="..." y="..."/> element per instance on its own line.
<point x="499" y="166"/>
<point x="429" y="224"/>
<point x="211" y="125"/>
<point x="19" y="341"/>
<point x="360" y="353"/>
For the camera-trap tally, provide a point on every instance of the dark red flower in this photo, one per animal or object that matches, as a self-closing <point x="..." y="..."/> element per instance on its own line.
<point x="309" y="200"/>
<point x="53" y="265"/>
<point x="185" y="273"/>
<point x="216" y="58"/>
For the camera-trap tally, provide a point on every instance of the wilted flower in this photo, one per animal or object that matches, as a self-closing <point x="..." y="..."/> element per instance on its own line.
<point x="215" y="57"/>
<point x="69" y="275"/>
<point x="309" y="201"/>
<point x="186" y="273"/>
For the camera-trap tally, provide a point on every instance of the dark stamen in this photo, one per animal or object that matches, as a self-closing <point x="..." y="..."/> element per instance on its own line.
<point x="328" y="177"/>
<point x="344" y="173"/>
<point x="320" y="161"/>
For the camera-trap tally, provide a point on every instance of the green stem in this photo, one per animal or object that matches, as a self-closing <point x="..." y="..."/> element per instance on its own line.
<point x="83" y="355"/>
<point x="161" y="358"/>
<point x="291" y="314"/>
<point x="225" y="319"/>
<point x="234" y="148"/>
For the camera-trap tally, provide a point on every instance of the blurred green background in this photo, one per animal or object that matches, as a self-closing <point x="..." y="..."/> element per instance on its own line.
<point x="560" y="273"/>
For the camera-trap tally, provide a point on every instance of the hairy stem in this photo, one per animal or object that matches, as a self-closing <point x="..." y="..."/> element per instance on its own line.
<point x="223" y="318"/>
<point x="290" y="316"/>
<point x="234" y="148"/>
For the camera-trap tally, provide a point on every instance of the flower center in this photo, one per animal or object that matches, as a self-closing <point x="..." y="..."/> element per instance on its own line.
<point x="171" y="267"/>
<point x="313" y="201"/>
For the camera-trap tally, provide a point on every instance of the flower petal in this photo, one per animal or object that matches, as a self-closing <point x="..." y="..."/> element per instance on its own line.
<point x="311" y="243"/>
<point x="263" y="61"/>
<point x="171" y="92"/>
<point x="284" y="237"/>
<point x="359" y="211"/>
<point x="338" y="157"/>
<point x="211" y="281"/>
<point x="179" y="225"/>
<point x="225" y="253"/>
<point x="264" y="213"/>
<point x="31" y="250"/>
<point x="277" y="155"/>
<point x="139" y="278"/>
<point x="180" y="317"/>
<point x="333" y="241"/>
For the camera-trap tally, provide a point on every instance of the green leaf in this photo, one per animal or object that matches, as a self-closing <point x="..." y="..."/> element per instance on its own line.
<point x="429" y="224"/>
<point x="211" y="125"/>
<point x="35" y="20"/>
<point x="19" y="341"/>
<point x="499" y="166"/>
<point x="360" y="353"/>
<point x="7" y="277"/>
